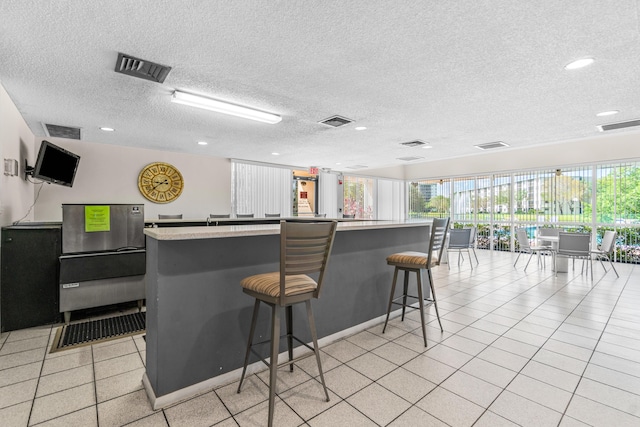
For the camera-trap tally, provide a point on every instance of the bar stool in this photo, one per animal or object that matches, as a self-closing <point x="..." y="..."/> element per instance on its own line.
<point x="304" y="249"/>
<point x="416" y="262"/>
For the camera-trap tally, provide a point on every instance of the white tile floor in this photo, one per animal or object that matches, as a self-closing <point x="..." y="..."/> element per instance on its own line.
<point x="518" y="349"/>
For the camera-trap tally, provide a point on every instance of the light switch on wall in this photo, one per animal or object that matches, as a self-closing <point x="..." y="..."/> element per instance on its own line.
<point x="10" y="167"/>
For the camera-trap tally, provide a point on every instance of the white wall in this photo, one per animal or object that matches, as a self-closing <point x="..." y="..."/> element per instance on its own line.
<point x="16" y="142"/>
<point x="109" y="174"/>
<point x="601" y="149"/>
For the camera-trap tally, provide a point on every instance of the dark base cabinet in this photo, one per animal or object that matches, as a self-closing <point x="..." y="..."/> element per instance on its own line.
<point x="29" y="293"/>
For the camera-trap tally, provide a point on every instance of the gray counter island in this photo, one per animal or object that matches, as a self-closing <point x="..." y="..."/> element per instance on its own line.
<point x="198" y="318"/>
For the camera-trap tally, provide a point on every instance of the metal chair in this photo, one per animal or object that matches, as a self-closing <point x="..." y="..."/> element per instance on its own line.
<point x="459" y="239"/>
<point x="244" y="216"/>
<point x="416" y="262"/>
<point x="472" y="242"/>
<point x="576" y="246"/>
<point x="165" y="216"/>
<point x="320" y="215"/>
<point x="526" y="248"/>
<point x="304" y="249"/>
<point x="546" y="231"/>
<point x="605" y="251"/>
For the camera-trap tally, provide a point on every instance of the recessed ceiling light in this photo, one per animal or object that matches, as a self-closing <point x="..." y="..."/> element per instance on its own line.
<point x="338" y="163"/>
<point x="275" y="154"/>
<point x="107" y="129"/>
<point x="203" y="143"/>
<point x="579" y="63"/>
<point x="427" y="146"/>
<point x="360" y="128"/>
<point x="607" y="113"/>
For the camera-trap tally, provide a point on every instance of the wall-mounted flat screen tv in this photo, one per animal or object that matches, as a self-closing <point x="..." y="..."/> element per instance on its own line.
<point x="55" y="164"/>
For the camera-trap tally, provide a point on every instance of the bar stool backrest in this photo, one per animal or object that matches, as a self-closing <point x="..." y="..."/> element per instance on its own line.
<point x="305" y="249"/>
<point x="272" y="215"/>
<point x="244" y="215"/>
<point x="219" y="215"/>
<point x="439" y="229"/>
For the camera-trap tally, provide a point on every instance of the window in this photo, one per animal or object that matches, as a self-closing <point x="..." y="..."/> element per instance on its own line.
<point x="358" y="197"/>
<point x="429" y="198"/>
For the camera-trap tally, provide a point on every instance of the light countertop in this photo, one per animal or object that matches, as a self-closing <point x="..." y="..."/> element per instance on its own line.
<point x="224" y="231"/>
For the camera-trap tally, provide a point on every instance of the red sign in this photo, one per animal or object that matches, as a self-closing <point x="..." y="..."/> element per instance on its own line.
<point x="313" y="170"/>
<point x="303" y="194"/>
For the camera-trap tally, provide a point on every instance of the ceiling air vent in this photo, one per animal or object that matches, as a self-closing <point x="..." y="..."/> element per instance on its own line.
<point x="141" y="68"/>
<point x="336" y="121"/>
<point x="409" y="158"/>
<point x="416" y="143"/>
<point x="57" y="131"/>
<point x="356" y="167"/>
<point x="621" y="125"/>
<point x="491" y="145"/>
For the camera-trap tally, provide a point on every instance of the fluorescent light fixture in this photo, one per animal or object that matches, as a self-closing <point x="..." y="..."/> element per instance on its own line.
<point x="106" y="129"/>
<point x="579" y="63"/>
<point x="607" y="113"/>
<point x="275" y="154"/>
<point x="361" y="128"/>
<point x="224" y="107"/>
<point x="427" y="146"/>
<point x="203" y="143"/>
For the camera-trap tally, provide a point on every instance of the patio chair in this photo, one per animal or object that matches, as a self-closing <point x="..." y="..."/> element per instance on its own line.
<point x="525" y="247"/>
<point x="605" y="251"/>
<point x="459" y="239"/>
<point x="472" y="242"/>
<point x="576" y="246"/>
<point x="546" y="231"/>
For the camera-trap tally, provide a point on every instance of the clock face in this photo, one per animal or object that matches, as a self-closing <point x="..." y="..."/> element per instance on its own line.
<point x="160" y="182"/>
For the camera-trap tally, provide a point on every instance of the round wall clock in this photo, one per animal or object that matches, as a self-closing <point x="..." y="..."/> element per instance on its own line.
<point x="160" y="182"/>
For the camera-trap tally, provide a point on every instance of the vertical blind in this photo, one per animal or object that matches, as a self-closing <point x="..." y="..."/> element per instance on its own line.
<point x="390" y="200"/>
<point x="260" y="189"/>
<point x="328" y="194"/>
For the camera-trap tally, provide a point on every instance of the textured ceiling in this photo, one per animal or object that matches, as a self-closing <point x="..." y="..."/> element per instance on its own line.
<point x="454" y="74"/>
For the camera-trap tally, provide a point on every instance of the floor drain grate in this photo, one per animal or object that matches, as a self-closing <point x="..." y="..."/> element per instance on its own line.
<point x="94" y="331"/>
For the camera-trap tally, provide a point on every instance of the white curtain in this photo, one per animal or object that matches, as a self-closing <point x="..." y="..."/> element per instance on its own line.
<point x="391" y="200"/>
<point x="328" y="194"/>
<point x="261" y="189"/>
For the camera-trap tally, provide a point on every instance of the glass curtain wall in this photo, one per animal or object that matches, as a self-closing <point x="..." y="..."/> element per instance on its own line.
<point x="429" y="199"/>
<point x="501" y="213"/>
<point x="617" y="208"/>
<point x="580" y="198"/>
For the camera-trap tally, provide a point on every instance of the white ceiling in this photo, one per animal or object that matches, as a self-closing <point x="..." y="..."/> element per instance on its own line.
<point x="454" y="74"/>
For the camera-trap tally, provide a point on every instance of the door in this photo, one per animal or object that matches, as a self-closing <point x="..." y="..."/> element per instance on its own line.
<point x="305" y="196"/>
